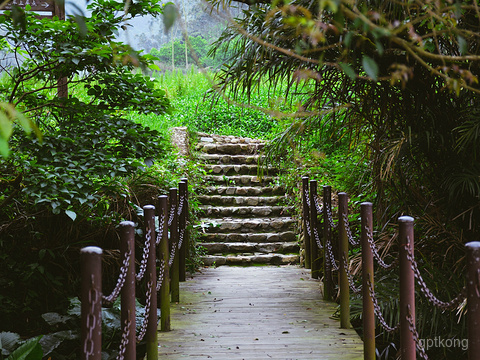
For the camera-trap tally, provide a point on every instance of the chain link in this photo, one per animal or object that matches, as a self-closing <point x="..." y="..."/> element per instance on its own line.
<point x="146" y="251"/>
<point x="349" y="231"/>
<point x="172" y="215"/>
<point x="148" y="300"/>
<point x="351" y="282"/>
<point x="89" y="346"/>
<point x="161" y="275"/>
<point x="307" y="196"/>
<point x="427" y="292"/>
<point x="121" y="279"/>
<point x="181" y="201"/>
<point x="376" y="255"/>
<point x="416" y="337"/>
<point x="173" y="252"/>
<point x="330" y="217"/>
<point x="180" y="240"/>
<point x="125" y="336"/>
<point x="331" y="256"/>
<point x="378" y="311"/>
<point x="161" y="225"/>
<point x="317" y="238"/>
<point x="317" y="204"/>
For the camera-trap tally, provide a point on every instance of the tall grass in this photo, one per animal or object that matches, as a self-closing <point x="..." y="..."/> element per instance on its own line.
<point x="258" y="117"/>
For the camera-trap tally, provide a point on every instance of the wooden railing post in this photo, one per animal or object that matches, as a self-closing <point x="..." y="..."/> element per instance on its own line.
<point x="91" y="310"/>
<point x="343" y="258"/>
<point x="327" y="238"/>
<point x="163" y="255"/>
<point x="367" y="279"/>
<point x="473" y="299"/>
<point x="314" y="251"/>
<point x="186" y="238"/>
<point x="182" y="225"/>
<point x="174" y="269"/>
<point x="306" y="222"/>
<point x="407" y="289"/>
<point x="151" y="276"/>
<point x="127" y="246"/>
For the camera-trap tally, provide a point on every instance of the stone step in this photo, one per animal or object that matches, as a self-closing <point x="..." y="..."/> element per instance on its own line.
<point x="244" y="211"/>
<point x="239" y="180"/>
<point x="245" y="190"/>
<point x="263" y="225"/>
<point x="230" y="149"/>
<point x="251" y="259"/>
<point x="239" y="200"/>
<point x="229" y="159"/>
<point x="236" y="169"/>
<point x="287" y="236"/>
<point x="236" y="247"/>
<point x="226" y="139"/>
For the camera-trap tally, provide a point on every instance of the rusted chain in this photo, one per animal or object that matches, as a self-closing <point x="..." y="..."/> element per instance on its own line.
<point x="351" y="282"/>
<point x="427" y="292"/>
<point x="146" y="251"/>
<point x="376" y="255"/>
<point x="378" y="311"/>
<point x="148" y="299"/>
<point x="89" y="346"/>
<point x="349" y="231"/>
<point x="121" y="280"/>
<point x="416" y="337"/>
<point x="161" y="225"/>
<point x="161" y="275"/>
<point x="124" y="341"/>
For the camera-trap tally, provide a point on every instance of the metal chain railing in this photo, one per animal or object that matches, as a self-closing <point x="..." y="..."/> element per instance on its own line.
<point x="317" y="204"/>
<point x="148" y="299"/>
<point x="416" y="337"/>
<point x="378" y="311"/>
<point x="120" y="282"/>
<point x="181" y="201"/>
<point x="89" y="346"/>
<point x="351" y="282"/>
<point x="349" y="231"/>
<point x="376" y="255"/>
<point x="161" y="226"/>
<point x="146" y="251"/>
<point x="331" y="256"/>
<point x="124" y="341"/>
<point x="161" y="275"/>
<point x="427" y="292"/>
<point x="173" y="252"/>
<point x="309" y="231"/>
<point x="307" y="197"/>
<point x="171" y="215"/>
<point x="317" y="238"/>
<point x="330" y="218"/>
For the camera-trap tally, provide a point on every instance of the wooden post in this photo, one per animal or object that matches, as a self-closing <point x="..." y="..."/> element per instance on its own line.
<point x="91" y="295"/>
<point x="367" y="277"/>
<point x="151" y="275"/>
<point x="174" y="270"/>
<point x="306" y="222"/>
<point x="407" y="289"/>
<point x="473" y="299"/>
<point x="343" y="257"/>
<point x="127" y="245"/>
<point x="314" y="251"/>
<point x="182" y="225"/>
<point x="186" y="237"/>
<point x="327" y="238"/>
<point x="62" y="85"/>
<point x="164" y="256"/>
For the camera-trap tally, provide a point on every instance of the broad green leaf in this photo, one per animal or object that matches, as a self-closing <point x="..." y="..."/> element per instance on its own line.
<point x="30" y="350"/>
<point x="71" y="214"/>
<point x="370" y="67"/>
<point x="170" y="14"/>
<point x="348" y="70"/>
<point x="4" y="149"/>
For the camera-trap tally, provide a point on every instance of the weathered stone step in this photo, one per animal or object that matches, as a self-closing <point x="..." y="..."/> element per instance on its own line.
<point x="226" y="225"/>
<point x="264" y="248"/>
<point x="245" y="190"/>
<point x="229" y="159"/>
<point x="287" y="236"/>
<point x="244" y="211"/>
<point x="230" y="149"/>
<point x="239" y="180"/>
<point x="239" y="200"/>
<point x="251" y="259"/>
<point x="230" y="139"/>
<point x="236" y="169"/>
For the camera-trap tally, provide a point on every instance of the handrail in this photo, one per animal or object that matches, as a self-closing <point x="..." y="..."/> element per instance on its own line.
<point x="409" y="272"/>
<point x="171" y="256"/>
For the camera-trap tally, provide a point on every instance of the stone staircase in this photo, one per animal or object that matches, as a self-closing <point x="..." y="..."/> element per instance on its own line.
<point x="242" y="216"/>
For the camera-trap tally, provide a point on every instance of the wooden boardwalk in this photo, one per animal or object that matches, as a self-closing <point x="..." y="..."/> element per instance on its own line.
<point x="233" y="313"/>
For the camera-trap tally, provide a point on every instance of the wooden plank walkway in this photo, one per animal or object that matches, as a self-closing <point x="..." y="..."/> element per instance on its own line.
<point x="233" y="313"/>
